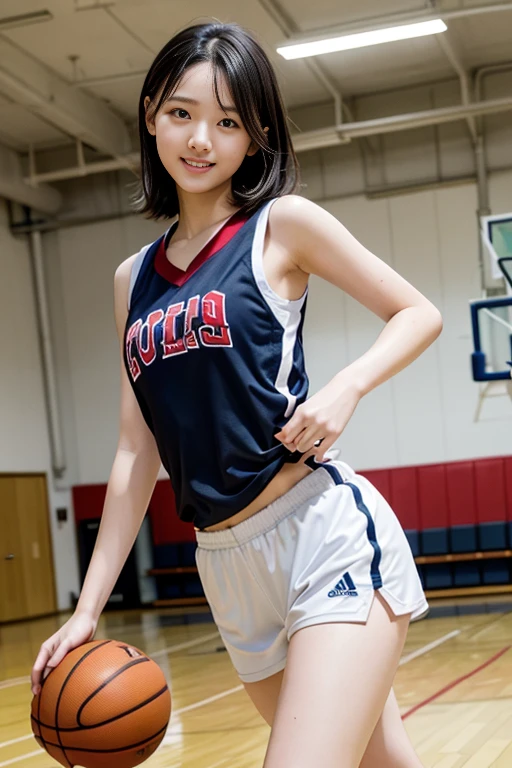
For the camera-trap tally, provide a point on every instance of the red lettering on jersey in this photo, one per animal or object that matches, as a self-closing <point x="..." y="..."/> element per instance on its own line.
<point x="131" y="337"/>
<point x="192" y="312"/>
<point x="172" y="345"/>
<point x="148" y="353"/>
<point x="216" y="333"/>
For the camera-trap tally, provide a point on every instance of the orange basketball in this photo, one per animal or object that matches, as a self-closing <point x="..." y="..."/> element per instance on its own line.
<point x="106" y="705"/>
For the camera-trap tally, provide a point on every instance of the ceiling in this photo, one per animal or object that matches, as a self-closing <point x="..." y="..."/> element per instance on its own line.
<point x="99" y="51"/>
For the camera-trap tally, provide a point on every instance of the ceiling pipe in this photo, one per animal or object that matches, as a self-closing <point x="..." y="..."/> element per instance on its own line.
<point x="47" y="353"/>
<point x="465" y="86"/>
<point x="413" y="120"/>
<point x="486" y="71"/>
<point x="288" y="27"/>
<point x="476" y="134"/>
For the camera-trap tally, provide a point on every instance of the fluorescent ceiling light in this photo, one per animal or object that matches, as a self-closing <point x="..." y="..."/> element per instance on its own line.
<point x="11" y="22"/>
<point x="362" y="39"/>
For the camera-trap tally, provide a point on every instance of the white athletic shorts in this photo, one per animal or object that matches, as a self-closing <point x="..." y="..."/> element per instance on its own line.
<point x="315" y="555"/>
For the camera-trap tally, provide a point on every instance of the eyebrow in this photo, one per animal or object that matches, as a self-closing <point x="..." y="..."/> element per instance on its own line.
<point x="188" y="100"/>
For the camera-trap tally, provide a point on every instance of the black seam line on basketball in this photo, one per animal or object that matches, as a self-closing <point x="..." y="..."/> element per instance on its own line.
<point x="106" y="682"/>
<point x="59" y="697"/>
<point x="103" y="722"/>
<point x="43" y="743"/>
<point x="110" y="751"/>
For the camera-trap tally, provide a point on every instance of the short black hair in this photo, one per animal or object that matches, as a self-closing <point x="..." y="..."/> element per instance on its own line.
<point x="273" y="171"/>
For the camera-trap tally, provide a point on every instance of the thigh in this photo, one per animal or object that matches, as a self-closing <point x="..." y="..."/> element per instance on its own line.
<point x="389" y="746"/>
<point x="264" y="695"/>
<point x="336" y="683"/>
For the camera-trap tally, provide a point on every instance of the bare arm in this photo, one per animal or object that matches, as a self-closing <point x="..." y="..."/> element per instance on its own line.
<point x="129" y="490"/>
<point x="130" y="486"/>
<point x="319" y="244"/>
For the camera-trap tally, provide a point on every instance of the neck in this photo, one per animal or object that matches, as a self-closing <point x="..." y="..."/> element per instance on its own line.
<point x="199" y="212"/>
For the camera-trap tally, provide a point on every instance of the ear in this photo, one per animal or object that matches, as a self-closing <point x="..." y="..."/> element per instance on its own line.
<point x="150" y="123"/>
<point x="253" y="148"/>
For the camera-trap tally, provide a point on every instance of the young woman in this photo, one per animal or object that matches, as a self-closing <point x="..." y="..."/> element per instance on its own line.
<point x="306" y="569"/>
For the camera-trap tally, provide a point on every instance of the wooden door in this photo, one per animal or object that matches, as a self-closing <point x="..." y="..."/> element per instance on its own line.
<point x="36" y="548"/>
<point x="27" y="586"/>
<point x="12" y="583"/>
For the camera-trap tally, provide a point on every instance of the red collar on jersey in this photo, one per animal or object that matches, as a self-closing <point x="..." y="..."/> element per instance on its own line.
<point x="178" y="276"/>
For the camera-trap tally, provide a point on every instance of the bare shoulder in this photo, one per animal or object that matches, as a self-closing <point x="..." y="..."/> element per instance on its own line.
<point x="297" y="223"/>
<point x="292" y="211"/>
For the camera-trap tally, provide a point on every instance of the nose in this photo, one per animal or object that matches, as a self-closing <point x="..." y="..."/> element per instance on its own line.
<point x="200" y="140"/>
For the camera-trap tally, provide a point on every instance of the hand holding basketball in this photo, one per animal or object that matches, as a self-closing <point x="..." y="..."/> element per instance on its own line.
<point x="107" y="704"/>
<point x="80" y="628"/>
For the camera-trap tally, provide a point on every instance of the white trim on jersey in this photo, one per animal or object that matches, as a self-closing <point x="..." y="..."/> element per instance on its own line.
<point x="136" y="267"/>
<point x="286" y="311"/>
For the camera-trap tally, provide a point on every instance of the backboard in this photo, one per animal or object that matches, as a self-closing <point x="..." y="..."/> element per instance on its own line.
<point x="497" y="240"/>
<point x="492" y="338"/>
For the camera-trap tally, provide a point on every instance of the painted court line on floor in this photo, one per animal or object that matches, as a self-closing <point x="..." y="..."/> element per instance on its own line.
<point x="427" y="648"/>
<point x="404" y="660"/>
<point x="203" y="703"/>
<point x="16" y="741"/>
<point x="22" y="757"/>
<point x="189" y="644"/>
<point x="454" y="683"/>
<point x="14" y="681"/>
<point x="171" y="649"/>
<point x="186" y="644"/>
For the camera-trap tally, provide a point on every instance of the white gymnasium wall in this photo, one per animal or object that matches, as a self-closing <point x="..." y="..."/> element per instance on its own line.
<point x="426" y="413"/>
<point x="87" y="258"/>
<point x="24" y="444"/>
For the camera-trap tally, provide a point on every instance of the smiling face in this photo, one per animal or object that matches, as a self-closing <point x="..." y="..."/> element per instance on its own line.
<point x="200" y="143"/>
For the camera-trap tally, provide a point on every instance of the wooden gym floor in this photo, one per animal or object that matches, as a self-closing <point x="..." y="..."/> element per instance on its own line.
<point x="454" y="687"/>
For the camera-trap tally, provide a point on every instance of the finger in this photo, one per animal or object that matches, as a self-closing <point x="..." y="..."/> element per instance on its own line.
<point x="292" y="430"/>
<point x="288" y="445"/>
<point x="326" y="444"/>
<point x="294" y="443"/>
<point x="57" y="657"/>
<point x="308" y="438"/>
<point x="39" y="665"/>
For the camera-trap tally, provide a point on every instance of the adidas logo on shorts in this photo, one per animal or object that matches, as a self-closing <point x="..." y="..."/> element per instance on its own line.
<point x="344" y="588"/>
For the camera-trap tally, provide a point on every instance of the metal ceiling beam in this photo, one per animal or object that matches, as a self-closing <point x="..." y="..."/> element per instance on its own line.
<point x="49" y="96"/>
<point x="329" y="137"/>
<point x="86" y="169"/>
<point x="13" y="187"/>
<point x="447" y="47"/>
<point x="393" y="19"/>
<point x="326" y="137"/>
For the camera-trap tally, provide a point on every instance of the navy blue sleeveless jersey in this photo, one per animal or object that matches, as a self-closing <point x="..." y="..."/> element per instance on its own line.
<point x="216" y="361"/>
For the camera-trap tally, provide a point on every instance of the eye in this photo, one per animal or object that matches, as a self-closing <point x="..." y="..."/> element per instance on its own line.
<point x="183" y="113"/>
<point x="229" y="120"/>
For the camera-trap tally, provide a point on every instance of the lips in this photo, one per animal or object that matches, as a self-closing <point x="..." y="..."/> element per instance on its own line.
<point x="196" y="170"/>
<point x="201" y="163"/>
